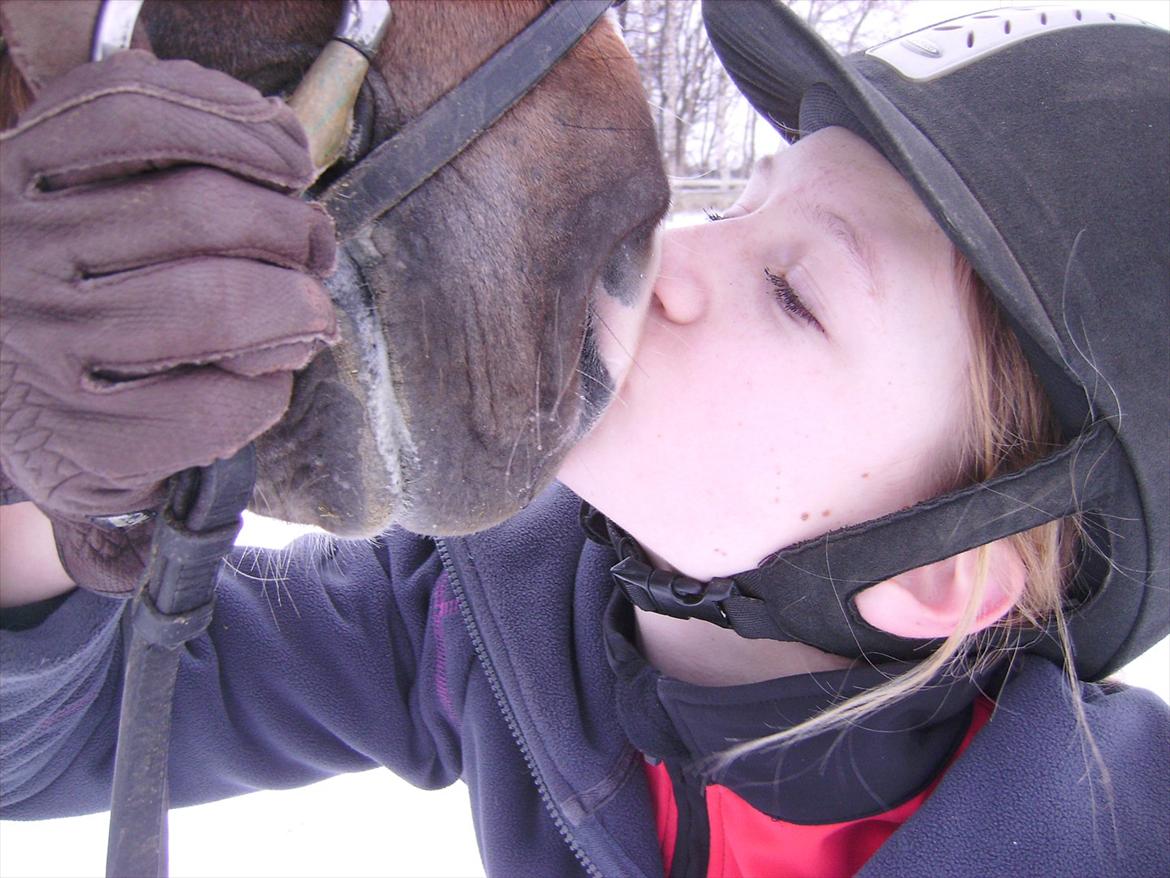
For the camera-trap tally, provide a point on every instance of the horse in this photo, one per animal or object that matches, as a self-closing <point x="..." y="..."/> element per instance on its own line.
<point x="468" y="363"/>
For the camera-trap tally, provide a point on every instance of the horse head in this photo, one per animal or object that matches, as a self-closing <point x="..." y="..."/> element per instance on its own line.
<point x="469" y="361"/>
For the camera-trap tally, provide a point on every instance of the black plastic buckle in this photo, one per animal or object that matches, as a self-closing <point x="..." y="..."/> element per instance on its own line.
<point x="673" y="594"/>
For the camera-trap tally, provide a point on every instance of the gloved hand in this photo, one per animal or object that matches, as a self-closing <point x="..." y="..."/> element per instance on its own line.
<point x="160" y="283"/>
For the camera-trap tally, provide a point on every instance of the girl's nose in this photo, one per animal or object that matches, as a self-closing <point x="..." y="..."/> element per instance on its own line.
<point x="682" y="289"/>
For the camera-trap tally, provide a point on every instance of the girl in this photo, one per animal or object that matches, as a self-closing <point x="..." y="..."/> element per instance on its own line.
<point x="886" y="477"/>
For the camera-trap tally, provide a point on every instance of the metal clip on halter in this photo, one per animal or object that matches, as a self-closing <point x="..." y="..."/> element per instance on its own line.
<point x="324" y="99"/>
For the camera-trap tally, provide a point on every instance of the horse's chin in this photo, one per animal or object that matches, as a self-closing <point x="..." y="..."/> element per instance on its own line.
<point x="340" y="462"/>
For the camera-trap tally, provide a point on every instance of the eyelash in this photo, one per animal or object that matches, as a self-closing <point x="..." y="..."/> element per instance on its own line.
<point x="783" y="292"/>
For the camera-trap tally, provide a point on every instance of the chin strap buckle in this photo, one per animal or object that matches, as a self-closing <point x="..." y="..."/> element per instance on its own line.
<point x="658" y="591"/>
<point x="673" y="594"/>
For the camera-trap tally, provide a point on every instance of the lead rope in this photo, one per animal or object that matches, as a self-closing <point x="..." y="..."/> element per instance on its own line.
<point x="195" y="530"/>
<point x="198" y="525"/>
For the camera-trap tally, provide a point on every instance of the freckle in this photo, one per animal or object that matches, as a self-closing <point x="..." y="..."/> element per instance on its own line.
<point x="865" y="475"/>
<point x="825" y="513"/>
<point x="804" y="516"/>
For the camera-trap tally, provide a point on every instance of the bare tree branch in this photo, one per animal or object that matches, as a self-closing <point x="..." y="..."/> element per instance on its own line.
<point x="705" y="128"/>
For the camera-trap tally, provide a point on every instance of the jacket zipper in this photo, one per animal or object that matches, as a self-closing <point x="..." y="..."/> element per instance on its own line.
<point x="506" y="710"/>
<point x="692" y="845"/>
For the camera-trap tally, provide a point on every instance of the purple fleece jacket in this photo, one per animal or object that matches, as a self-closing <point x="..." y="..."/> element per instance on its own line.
<point x="482" y="658"/>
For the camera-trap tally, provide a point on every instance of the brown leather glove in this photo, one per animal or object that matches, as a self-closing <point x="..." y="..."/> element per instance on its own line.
<point x="159" y="285"/>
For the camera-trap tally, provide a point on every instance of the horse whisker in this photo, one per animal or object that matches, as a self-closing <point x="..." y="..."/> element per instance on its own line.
<point x="625" y="350"/>
<point x="616" y="396"/>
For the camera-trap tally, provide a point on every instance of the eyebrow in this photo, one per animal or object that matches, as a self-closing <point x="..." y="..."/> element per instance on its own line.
<point x="847" y="235"/>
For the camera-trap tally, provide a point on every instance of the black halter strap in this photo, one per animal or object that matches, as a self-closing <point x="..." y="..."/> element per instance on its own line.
<point x="806" y="592"/>
<point x="400" y="165"/>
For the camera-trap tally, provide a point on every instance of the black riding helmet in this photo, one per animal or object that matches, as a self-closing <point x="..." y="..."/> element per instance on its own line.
<point x="1039" y="138"/>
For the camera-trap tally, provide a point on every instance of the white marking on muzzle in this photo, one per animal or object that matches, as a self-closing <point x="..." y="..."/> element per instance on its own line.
<point x="351" y="294"/>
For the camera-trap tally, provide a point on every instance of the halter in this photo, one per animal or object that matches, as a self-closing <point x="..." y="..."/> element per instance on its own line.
<point x="402" y="163"/>
<point x="201" y="518"/>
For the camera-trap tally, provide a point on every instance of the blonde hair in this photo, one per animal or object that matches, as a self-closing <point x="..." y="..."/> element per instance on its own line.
<point x="1009" y="425"/>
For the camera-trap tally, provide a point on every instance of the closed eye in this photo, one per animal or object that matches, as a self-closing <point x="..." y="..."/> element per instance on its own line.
<point x="782" y="292"/>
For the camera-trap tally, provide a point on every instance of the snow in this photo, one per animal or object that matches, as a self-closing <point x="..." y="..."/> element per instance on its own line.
<point x="366" y="824"/>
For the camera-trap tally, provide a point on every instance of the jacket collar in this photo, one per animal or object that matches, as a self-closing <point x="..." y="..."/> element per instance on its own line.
<point x="541" y="644"/>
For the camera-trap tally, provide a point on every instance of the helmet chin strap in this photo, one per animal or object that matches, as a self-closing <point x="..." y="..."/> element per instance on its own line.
<point x="805" y="592"/>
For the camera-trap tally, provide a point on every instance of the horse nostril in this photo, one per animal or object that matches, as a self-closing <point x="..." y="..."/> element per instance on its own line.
<point x="625" y="272"/>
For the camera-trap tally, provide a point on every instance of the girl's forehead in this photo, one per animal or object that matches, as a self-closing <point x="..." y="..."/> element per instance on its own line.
<point x="835" y="166"/>
<point x="846" y="189"/>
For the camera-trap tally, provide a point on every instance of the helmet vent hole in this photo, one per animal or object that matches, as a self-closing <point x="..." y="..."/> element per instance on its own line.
<point x="933" y="51"/>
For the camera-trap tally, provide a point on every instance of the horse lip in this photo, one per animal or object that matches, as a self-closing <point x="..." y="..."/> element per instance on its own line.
<point x="409" y="488"/>
<point x="626" y="277"/>
<point x="352" y="295"/>
<point x="597" y="384"/>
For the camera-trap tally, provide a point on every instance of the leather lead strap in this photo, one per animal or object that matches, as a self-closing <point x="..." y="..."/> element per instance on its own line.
<point x="411" y="157"/>
<point x="196" y="529"/>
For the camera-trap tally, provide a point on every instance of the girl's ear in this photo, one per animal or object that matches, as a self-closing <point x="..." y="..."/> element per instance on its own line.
<point x="930" y="601"/>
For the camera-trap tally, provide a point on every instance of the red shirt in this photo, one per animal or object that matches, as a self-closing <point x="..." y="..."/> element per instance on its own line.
<point x="746" y="843"/>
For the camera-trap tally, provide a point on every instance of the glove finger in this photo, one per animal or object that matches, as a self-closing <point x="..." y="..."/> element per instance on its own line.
<point x="179" y="214"/>
<point x="200" y="311"/>
<point x="134" y="113"/>
<point x="291" y="355"/>
<point x="108" y="455"/>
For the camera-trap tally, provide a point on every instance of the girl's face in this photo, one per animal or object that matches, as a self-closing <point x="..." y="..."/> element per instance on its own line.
<point x="800" y="366"/>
